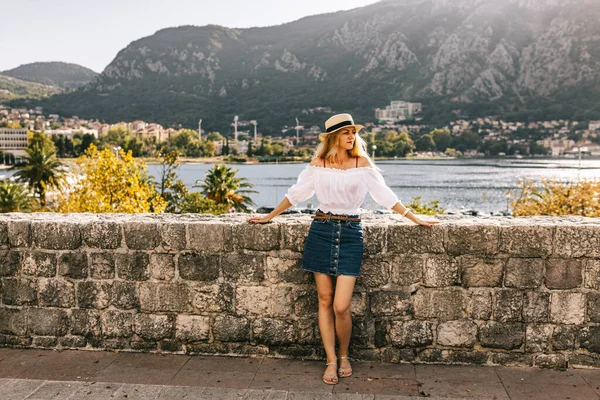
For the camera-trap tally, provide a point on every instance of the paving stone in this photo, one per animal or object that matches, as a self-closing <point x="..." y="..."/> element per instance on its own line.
<point x="180" y="392"/>
<point x="308" y="383"/>
<point x="405" y="387"/>
<point x="213" y="393"/>
<point x="55" y="390"/>
<point x="233" y="380"/>
<point x="18" y="389"/>
<point x="465" y="389"/>
<point x="455" y="373"/>
<point x="135" y="392"/>
<point x="539" y="376"/>
<point x="97" y="391"/>
<point x="520" y="391"/>
<point x="255" y="394"/>
<point x="143" y="368"/>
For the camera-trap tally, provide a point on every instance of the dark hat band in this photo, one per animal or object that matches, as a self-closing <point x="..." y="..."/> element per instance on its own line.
<point x="338" y="126"/>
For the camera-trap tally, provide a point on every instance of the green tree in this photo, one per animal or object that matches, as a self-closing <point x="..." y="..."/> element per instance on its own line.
<point x="14" y="197"/>
<point x="425" y="143"/>
<point x="41" y="171"/>
<point x="195" y="202"/>
<point x="442" y="139"/>
<point x="170" y="188"/>
<point x="431" y="208"/>
<point x="223" y="187"/>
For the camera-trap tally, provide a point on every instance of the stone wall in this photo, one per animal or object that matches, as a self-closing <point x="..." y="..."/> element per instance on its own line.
<point x="471" y="290"/>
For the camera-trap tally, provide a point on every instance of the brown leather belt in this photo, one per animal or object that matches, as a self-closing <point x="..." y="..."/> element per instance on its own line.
<point x="320" y="215"/>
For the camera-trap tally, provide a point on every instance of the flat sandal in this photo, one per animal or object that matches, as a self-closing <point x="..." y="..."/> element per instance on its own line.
<point x="344" y="372"/>
<point x="334" y="378"/>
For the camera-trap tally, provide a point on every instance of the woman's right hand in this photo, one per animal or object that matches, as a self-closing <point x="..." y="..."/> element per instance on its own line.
<point x="263" y="219"/>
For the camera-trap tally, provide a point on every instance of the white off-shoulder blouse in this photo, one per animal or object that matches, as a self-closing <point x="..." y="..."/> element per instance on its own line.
<point x="341" y="191"/>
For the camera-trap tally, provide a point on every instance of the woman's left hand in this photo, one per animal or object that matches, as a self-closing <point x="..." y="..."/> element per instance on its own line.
<point x="428" y="223"/>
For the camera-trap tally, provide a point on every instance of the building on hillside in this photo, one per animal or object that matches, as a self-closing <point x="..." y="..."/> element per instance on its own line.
<point x="13" y="141"/>
<point x="594" y="125"/>
<point x="398" y="111"/>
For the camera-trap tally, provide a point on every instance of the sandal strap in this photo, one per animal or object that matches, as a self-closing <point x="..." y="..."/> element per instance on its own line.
<point x="346" y="357"/>
<point x="331" y="363"/>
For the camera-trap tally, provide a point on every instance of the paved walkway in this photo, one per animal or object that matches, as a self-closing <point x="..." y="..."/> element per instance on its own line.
<point x="47" y="374"/>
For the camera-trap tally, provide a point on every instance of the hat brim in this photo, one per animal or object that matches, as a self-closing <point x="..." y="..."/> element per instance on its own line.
<point x="324" y="135"/>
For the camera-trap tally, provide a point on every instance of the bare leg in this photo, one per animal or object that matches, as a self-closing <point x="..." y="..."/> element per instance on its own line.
<point x="343" y="319"/>
<point x="326" y="322"/>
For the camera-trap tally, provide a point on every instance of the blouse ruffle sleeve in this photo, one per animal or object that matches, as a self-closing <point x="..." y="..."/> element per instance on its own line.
<point x="378" y="189"/>
<point x="304" y="189"/>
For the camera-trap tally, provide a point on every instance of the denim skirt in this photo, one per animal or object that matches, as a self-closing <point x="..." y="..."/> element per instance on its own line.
<point x="333" y="247"/>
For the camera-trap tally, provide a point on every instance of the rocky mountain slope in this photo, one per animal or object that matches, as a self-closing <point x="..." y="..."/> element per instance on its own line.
<point x="13" y="88"/>
<point x="59" y="74"/>
<point x="517" y="58"/>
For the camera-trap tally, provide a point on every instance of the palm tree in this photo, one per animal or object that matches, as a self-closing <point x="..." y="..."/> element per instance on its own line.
<point x="222" y="186"/>
<point x="41" y="171"/>
<point x="14" y="197"/>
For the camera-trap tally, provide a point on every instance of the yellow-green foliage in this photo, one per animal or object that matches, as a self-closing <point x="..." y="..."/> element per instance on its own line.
<point x="553" y="197"/>
<point x="431" y="208"/>
<point x="111" y="184"/>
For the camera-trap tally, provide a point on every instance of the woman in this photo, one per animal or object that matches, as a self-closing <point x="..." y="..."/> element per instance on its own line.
<point x="341" y="174"/>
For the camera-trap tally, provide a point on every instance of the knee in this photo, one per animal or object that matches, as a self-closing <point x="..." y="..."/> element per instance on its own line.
<point x="341" y="309"/>
<point x="326" y="299"/>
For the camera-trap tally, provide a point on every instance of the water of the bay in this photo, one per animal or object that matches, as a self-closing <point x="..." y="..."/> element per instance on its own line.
<point x="479" y="184"/>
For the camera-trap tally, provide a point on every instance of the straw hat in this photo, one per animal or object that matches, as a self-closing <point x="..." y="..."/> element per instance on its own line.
<point x="337" y="122"/>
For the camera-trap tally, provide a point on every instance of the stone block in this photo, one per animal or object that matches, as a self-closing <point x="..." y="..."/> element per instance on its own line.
<point x="524" y="273"/>
<point x="358" y="303"/>
<point x="589" y="338"/>
<point x="14" y="341"/>
<point x="141" y="235"/>
<point x="191" y="328"/>
<point x="481" y="272"/>
<point x="102" y="265"/>
<point x="502" y="335"/>
<point x="212" y="298"/>
<point x="294" y="235"/>
<point x="513" y="359"/>
<point x="102" y="234"/>
<point x="252" y="300"/>
<point x="440" y="271"/>
<point x="445" y="305"/>
<point x="85" y="323"/>
<point x="406" y="270"/>
<point x="273" y="331"/>
<point x="47" y="322"/>
<point x="19" y="233"/>
<point x="536" y="307"/>
<point x="479" y="304"/>
<point x="13" y="321"/>
<point x="564" y="337"/>
<point x="508" y="305"/>
<point x="361" y="332"/>
<point x="231" y="329"/>
<point x="567" y="308"/>
<point x="526" y="241"/>
<point x="155" y="327"/>
<point x="46" y="342"/>
<point x="133" y="266"/>
<point x="577" y="241"/>
<point x="305" y="302"/>
<point x="564" y="273"/>
<point x="375" y="240"/>
<point x="116" y="324"/>
<point x="282" y="303"/>
<point x="56" y="293"/>
<point x="92" y="294"/>
<point x="551" y="361"/>
<point x="72" y="342"/>
<point x="410" y="239"/>
<point x="52" y="235"/>
<point x="472" y="239"/>
<point x="411" y="333"/>
<point x="259" y="237"/>
<point x="242" y="267"/>
<point x="162" y="266"/>
<point x="306" y="332"/>
<point x="124" y="295"/>
<point x="3" y="233"/>
<point x="9" y="262"/>
<point x="210" y="236"/>
<point x="171" y="346"/>
<point x="283" y="268"/>
<point x="374" y="272"/>
<point x="19" y="291"/>
<point x="73" y="265"/>
<point x="199" y="266"/>
<point x="593" y="307"/>
<point x="396" y="303"/>
<point x="173" y="236"/>
<point x="584" y="361"/>
<point x="538" y="338"/>
<point x="38" y="263"/>
<point x="461" y="333"/>
<point x="592" y="273"/>
<point x="165" y="297"/>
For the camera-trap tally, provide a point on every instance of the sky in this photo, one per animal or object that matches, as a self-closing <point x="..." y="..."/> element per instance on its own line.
<point x="92" y="32"/>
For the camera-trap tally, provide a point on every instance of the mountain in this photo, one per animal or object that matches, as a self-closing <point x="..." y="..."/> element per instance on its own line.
<point x="13" y="88"/>
<point x="60" y="74"/>
<point x="516" y="58"/>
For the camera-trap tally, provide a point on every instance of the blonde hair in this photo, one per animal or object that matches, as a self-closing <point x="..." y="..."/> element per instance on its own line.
<point x="328" y="148"/>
